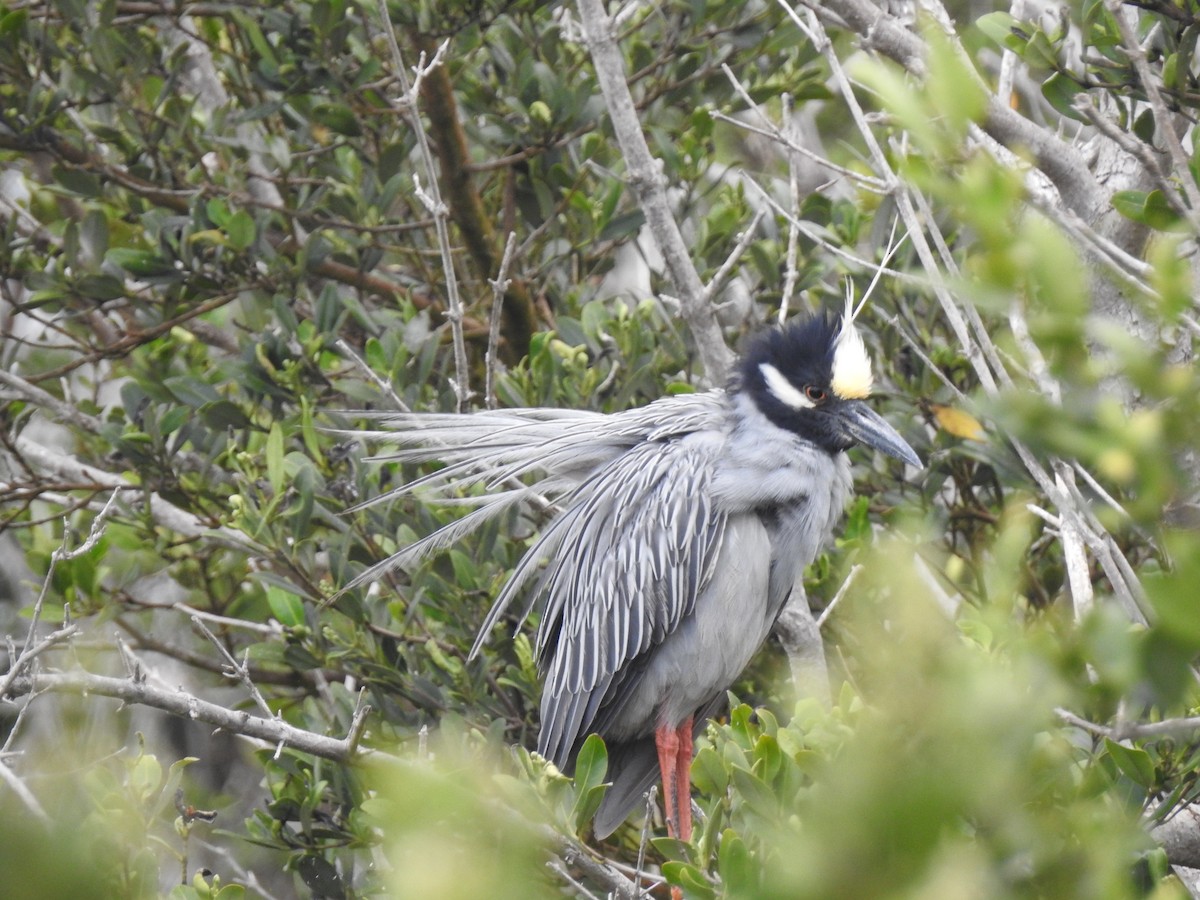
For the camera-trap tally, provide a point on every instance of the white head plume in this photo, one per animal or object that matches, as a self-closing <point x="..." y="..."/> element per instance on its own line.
<point x="852" y="376"/>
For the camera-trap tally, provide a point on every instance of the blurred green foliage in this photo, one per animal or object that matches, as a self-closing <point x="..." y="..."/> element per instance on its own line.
<point x="202" y="206"/>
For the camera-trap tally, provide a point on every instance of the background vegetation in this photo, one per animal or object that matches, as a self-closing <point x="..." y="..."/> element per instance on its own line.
<point x="227" y="224"/>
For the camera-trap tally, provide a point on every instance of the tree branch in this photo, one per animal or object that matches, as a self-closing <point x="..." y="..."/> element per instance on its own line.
<point x="162" y="511"/>
<point x="187" y="706"/>
<point x="1061" y="162"/>
<point x="648" y="183"/>
<point x="1180" y="159"/>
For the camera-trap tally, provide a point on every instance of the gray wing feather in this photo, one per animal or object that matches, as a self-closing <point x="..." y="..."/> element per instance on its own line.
<point x="443" y="537"/>
<point x="628" y="569"/>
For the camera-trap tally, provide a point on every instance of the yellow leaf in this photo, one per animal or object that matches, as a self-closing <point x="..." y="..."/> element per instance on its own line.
<point x="958" y="423"/>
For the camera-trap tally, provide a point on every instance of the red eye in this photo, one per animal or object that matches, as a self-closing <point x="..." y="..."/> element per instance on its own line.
<point x="815" y="394"/>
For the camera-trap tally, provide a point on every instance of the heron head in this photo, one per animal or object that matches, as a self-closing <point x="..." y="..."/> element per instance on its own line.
<point x="811" y="377"/>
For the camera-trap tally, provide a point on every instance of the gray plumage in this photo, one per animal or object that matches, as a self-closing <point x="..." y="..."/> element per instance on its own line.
<point x="678" y="532"/>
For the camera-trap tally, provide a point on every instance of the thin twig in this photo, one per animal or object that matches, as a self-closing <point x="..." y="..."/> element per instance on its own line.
<point x="930" y="365"/>
<point x="560" y="870"/>
<point x="432" y="198"/>
<point x="165" y="513"/>
<point x="14" y="730"/>
<point x="573" y="853"/>
<point x="841" y="592"/>
<point x="228" y="621"/>
<point x="29" y="650"/>
<point x="1100" y="491"/>
<point x="9" y="777"/>
<point x="651" y="801"/>
<point x="236" y="669"/>
<point x="384" y="386"/>
<point x="21" y="663"/>
<point x="722" y="274"/>
<point x="499" y="286"/>
<point x="65" y="412"/>
<point x="1075" y="558"/>
<point x="1038" y="368"/>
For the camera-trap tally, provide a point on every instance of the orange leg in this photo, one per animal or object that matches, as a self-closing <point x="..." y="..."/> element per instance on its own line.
<point x="675" y="763"/>
<point x="683" y="779"/>
<point x="667" y="741"/>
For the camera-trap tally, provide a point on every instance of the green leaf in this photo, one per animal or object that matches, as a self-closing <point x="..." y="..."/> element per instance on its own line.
<point x="100" y="287"/>
<point x="768" y="758"/>
<point x="78" y="182"/>
<point x="1144" y="125"/>
<point x="688" y="877"/>
<point x="93" y="236"/>
<point x="1129" y="203"/>
<point x="223" y="414"/>
<point x="217" y="211"/>
<point x="999" y="27"/>
<point x="142" y="263"/>
<point x="591" y="764"/>
<point x="586" y="805"/>
<point x="1159" y="214"/>
<point x="174" y="419"/>
<point x="287" y="608"/>
<point x="708" y="774"/>
<point x="1133" y="762"/>
<point x="288" y="587"/>
<point x="1148" y="208"/>
<point x="145" y="776"/>
<point x="1060" y="91"/>
<point x="1040" y="51"/>
<point x="12" y="21"/>
<point x="623" y="225"/>
<point x="672" y="848"/>
<point x="738" y="871"/>
<point x="260" y="44"/>
<point x="298" y="657"/>
<point x="754" y="793"/>
<point x="241" y="230"/>
<point x="174" y="776"/>
<point x="274" y="456"/>
<point x="337" y="118"/>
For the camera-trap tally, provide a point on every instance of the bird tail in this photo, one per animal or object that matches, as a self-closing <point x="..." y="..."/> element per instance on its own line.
<point x="632" y="769"/>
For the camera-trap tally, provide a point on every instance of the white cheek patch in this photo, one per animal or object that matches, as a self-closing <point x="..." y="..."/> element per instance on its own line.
<point x="851" y="364"/>
<point x="783" y="390"/>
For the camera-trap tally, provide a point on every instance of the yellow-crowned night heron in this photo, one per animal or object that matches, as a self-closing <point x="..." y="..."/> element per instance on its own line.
<point x="681" y="529"/>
